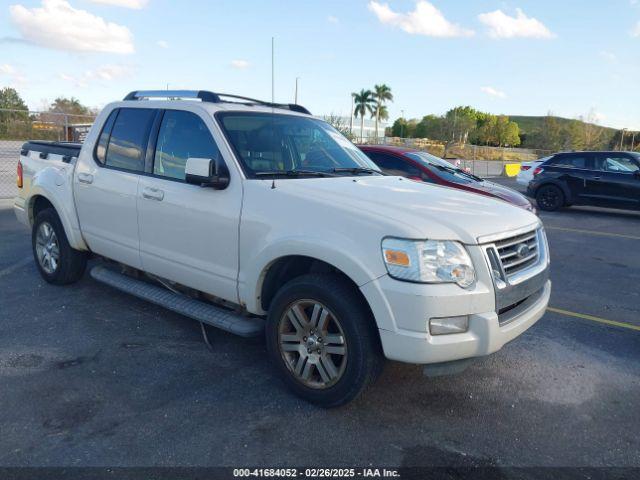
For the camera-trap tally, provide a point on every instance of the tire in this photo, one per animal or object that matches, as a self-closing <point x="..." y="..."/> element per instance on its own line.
<point x="550" y="198"/>
<point x="341" y="314"/>
<point x="69" y="264"/>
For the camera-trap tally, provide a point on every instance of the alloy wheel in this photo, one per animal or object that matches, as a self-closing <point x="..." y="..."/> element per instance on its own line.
<point x="47" y="248"/>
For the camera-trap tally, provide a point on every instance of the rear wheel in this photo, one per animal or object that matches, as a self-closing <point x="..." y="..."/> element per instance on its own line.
<point x="550" y="198"/>
<point x="322" y="340"/>
<point x="57" y="262"/>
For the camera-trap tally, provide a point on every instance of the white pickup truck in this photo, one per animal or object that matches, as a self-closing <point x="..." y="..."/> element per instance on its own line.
<point x="258" y="218"/>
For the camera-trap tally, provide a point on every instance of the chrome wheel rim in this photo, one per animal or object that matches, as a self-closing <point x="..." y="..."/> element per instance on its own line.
<point x="312" y="344"/>
<point x="47" y="248"/>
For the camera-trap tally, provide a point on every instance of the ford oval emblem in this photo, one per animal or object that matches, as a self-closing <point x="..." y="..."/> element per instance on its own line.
<point x="522" y="250"/>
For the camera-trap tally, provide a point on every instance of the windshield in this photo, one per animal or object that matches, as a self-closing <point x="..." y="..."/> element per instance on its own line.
<point x="442" y="168"/>
<point x="275" y="143"/>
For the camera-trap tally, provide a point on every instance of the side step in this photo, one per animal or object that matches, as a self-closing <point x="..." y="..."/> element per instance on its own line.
<point x="201" y="311"/>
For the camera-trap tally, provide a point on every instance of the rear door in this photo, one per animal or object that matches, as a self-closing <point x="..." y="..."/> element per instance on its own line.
<point x="189" y="234"/>
<point x="617" y="182"/>
<point x="576" y="170"/>
<point x="107" y="187"/>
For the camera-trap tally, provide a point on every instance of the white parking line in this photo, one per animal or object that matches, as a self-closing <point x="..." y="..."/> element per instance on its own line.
<point x="12" y="268"/>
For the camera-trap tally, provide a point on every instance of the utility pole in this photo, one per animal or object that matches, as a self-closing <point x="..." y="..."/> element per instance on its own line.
<point x="351" y="117"/>
<point x="273" y="75"/>
<point x="633" y="140"/>
<point x="402" y="124"/>
<point x="295" y="99"/>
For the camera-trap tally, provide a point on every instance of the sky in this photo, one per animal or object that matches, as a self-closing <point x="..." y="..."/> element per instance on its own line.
<point x="525" y="57"/>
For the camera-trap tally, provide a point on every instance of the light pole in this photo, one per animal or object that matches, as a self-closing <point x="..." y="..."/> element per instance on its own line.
<point x="401" y="123"/>
<point x="295" y="101"/>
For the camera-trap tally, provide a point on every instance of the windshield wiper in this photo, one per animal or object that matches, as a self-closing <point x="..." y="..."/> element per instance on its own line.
<point x="356" y="170"/>
<point x="293" y="173"/>
<point x="457" y="170"/>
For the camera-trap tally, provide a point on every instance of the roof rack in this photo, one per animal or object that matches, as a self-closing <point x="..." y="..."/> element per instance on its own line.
<point x="210" y="97"/>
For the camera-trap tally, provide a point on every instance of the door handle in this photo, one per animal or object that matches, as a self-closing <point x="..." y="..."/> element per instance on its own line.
<point x="85" y="177"/>
<point x="153" y="193"/>
<point x="596" y="178"/>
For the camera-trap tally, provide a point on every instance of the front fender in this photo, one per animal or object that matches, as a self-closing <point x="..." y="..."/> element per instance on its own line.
<point x="55" y="184"/>
<point x="255" y="268"/>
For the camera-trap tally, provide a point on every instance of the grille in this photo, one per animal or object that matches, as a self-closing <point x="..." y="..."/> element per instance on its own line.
<point x="513" y="254"/>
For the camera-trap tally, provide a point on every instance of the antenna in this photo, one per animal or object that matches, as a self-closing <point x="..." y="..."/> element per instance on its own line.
<point x="273" y="75"/>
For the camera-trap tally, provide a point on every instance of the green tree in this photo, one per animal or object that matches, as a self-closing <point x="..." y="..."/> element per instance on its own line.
<point x="431" y="126"/>
<point x="461" y="122"/>
<point x="382" y="94"/>
<point x="508" y="132"/>
<point x="364" y="104"/>
<point x="71" y="106"/>
<point x="14" y="116"/>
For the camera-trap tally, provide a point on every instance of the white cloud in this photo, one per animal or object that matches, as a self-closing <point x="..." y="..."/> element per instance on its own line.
<point x="239" y="64"/>
<point x="608" y="56"/>
<point x="424" y="20"/>
<point x="134" y="4"/>
<point x="162" y="44"/>
<point x="493" y="92"/>
<point x="103" y="73"/>
<point x="56" y="24"/>
<point x="13" y="74"/>
<point x="332" y="19"/>
<point x="502" y="25"/>
<point x="636" y="30"/>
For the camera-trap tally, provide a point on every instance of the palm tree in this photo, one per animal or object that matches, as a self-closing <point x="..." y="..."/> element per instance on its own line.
<point x="382" y="94"/>
<point x="365" y="103"/>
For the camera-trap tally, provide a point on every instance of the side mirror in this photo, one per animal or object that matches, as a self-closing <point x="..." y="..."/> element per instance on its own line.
<point x="207" y="172"/>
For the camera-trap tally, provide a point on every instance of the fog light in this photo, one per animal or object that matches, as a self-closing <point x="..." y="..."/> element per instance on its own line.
<point x="448" y="325"/>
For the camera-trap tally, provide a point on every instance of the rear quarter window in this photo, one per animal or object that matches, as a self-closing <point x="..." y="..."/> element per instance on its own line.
<point x="128" y="141"/>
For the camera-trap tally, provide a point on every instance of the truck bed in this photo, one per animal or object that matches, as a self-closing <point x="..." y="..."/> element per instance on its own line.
<point x="66" y="149"/>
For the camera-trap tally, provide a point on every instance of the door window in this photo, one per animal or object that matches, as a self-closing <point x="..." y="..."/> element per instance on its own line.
<point x="616" y="164"/>
<point x="571" y="161"/>
<point x="128" y="141"/>
<point x="103" y="141"/>
<point x="182" y="135"/>
<point x="394" y="165"/>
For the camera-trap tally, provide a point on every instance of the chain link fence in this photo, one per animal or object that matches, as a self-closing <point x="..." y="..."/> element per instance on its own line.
<point x="18" y="126"/>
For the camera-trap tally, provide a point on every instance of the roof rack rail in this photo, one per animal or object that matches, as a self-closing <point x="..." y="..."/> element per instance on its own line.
<point x="203" y="95"/>
<point x="210" y="97"/>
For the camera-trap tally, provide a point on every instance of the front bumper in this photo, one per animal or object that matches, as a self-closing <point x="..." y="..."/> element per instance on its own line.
<point x="498" y="312"/>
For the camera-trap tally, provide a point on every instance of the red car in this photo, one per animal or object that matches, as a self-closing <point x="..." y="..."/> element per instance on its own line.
<point x="424" y="167"/>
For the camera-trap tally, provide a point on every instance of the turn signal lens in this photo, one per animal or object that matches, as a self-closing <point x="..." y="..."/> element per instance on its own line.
<point x="19" y="175"/>
<point x="397" y="257"/>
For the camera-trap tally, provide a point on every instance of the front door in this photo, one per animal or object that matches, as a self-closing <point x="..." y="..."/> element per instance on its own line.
<point x="618" y="180"/>
<point x="189" y="234"/>
<point x="106" y="186"/>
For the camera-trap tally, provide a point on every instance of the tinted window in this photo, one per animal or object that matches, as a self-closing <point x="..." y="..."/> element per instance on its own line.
<point x="182" y="135"/>
<point x="129" y="138"/>
<point x="103" y="140"/>
<point x="394" y="165"/>
<point x="571" y="161"/>
<point x="442" y="168"/>
<point x="275" y="143"/>
<point x="615" y="164"/>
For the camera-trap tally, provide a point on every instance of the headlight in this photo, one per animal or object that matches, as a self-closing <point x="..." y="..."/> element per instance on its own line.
<point x="430" y="261"/>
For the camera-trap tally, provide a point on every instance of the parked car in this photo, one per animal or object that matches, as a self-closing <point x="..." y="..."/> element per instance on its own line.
<point x="525" y="175"/>
<point x="606" y="179"/>
<point x="424" y="167"/>
<point x="259" y="219"/>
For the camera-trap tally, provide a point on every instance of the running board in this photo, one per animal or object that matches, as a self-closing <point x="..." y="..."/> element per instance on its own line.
<point x="200" y="311"/>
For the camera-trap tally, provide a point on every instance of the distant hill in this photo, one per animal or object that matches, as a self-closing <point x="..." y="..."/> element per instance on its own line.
<point x="529" y="124"/>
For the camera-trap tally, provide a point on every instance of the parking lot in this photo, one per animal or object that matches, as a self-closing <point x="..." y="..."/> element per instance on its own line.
<point x="92" y="377"/>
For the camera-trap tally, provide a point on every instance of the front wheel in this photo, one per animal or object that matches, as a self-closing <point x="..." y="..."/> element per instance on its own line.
<point x="57" y="261"/>
<point x="549" y="198"/>
<point x="322" y="339"/>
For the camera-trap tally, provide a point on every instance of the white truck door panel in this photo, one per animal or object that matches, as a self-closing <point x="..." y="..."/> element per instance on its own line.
<point x="188" y="233"/>
<point x="106" y="185"/>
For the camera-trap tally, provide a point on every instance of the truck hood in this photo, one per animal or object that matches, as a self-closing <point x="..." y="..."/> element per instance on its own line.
<point x="413" y="209"/>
